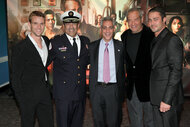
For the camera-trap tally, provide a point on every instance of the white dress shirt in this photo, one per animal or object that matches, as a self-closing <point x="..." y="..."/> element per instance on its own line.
<point x="77" y="41"/>
<point x="111" y="50"/>
<point x="43" y="52"/>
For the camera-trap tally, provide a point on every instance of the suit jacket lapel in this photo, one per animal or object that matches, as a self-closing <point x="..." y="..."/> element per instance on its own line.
<point x="66" y="40"/>
<point x="157" y="45"/>
<point x="96" y="57"/>
<point x="34" y="51"/>
<point x="83" y="46"/>
<point x="66" y="43"/>
<point x="47" y="42"/>
<point x="154" y="49"/>
<point x="117" y="52"/>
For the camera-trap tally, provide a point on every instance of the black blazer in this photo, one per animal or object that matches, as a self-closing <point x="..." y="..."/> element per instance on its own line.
<point x="28" y="71"/>
<point x="138" y="73"/>
<point x="69" y="70"/>
<point x="167" y="59"/>
<point x="119" y="59"/>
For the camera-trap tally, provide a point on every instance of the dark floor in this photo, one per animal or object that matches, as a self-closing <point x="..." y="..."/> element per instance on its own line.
<point x="9" y="114"/>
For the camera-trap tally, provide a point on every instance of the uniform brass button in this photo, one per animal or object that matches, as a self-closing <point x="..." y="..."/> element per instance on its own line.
<point x="64" y="82"/>
<point x="78" y="74"/>
<point x="78" y="59"/>
<point x="78" y="82"/>
<point x="134" y="67"/>
<point x="64" y="57"/>
<point x="78" y="67"/>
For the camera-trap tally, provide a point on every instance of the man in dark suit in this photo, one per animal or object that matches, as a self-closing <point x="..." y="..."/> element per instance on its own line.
<point x="166" y="91"/>
<point x="106" y="77"/>
<point x="69" y="53"/>
<point x="29" y="77"/>
<point x="137" y="41"/>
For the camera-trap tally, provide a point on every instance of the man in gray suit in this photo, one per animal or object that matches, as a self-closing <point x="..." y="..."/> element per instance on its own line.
<point x="166" y="92"/>
<point x="106" y="77"/>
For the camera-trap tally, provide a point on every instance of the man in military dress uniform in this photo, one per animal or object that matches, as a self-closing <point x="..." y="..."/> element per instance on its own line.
<point x="69" y="53"/>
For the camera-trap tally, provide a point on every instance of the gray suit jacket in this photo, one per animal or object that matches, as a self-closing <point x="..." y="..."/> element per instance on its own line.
<point x="119" y="58"/>
<point x="166" y="73"/>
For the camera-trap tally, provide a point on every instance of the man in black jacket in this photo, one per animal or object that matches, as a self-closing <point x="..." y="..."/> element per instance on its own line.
<point x="138" y="66"/>
<point x="29" y="78"/>
<point x="166" y="92"/>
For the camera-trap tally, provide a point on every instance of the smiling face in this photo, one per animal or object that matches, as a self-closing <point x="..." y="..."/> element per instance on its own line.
<point x="37" y="26"/>
<point x="107" y="30"/>
<point x="134" y="21"/>
<point x="71" y="29"/>
<point x="175" y="26"/>
<point x="156" y="23"/>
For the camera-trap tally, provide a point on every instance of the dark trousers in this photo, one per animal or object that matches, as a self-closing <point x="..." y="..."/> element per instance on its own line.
<point x="69" y="113"/>
<point x="166" y="119"/>
<point x="106" y="106"/>
<point x="40" y="107"/>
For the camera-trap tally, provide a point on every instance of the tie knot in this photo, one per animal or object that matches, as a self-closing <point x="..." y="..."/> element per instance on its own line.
<point x="107" y="44"/>
<point x="74" y="39"/>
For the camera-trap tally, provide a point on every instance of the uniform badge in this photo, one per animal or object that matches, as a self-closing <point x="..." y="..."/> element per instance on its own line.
<point x="70" y="13"/>
<point x="63" y="49"/>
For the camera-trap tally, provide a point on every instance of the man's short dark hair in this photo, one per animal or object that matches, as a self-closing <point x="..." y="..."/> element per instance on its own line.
<point x="159" y="10"/>
<point x="48" y="12"/>
<point x="36" y="13"/>
<point x="107" y="19"/>
<point x="62" y="5"/>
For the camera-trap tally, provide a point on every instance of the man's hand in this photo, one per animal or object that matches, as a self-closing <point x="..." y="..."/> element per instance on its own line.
<point x="164" y="107"/>
<point x="187" y="66"/>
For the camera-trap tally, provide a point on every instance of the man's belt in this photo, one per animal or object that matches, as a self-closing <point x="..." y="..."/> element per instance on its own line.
<point x="105" y="84"/>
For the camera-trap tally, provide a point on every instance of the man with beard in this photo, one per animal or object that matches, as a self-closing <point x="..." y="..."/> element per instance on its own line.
<point x="166" y="92"/>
